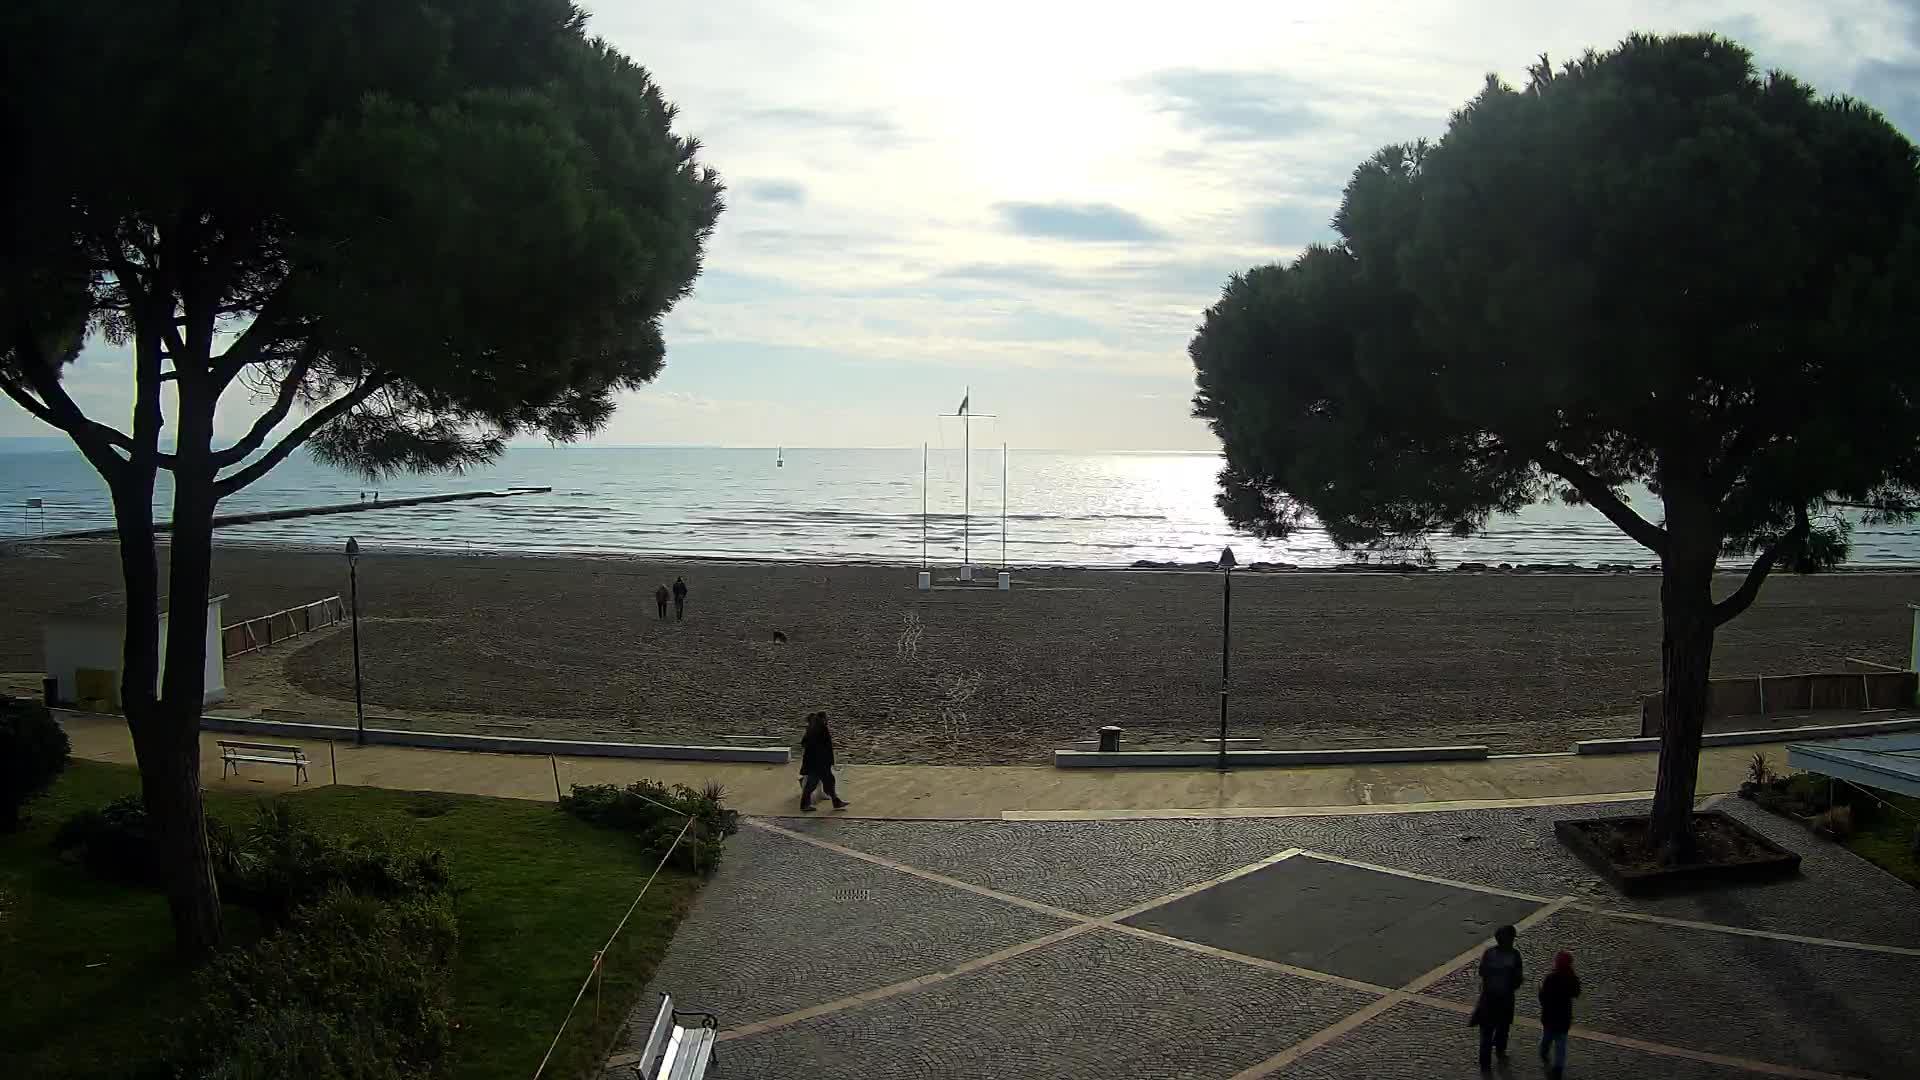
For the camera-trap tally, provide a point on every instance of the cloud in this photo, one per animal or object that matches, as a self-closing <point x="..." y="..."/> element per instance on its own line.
<point x="867" y="126"/>
<point x="1235" y="105"/>
<point x="1093" y="223"/>
<point x="776" y="191"/>
<point x="1293" y="224"/>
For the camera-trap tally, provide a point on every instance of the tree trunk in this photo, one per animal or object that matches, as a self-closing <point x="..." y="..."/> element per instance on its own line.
<point x="180" y="832"/>
<point x="1686" y="665"/>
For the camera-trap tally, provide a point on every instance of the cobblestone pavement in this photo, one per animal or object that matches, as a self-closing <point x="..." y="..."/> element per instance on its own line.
<point x="1299" y="947"/>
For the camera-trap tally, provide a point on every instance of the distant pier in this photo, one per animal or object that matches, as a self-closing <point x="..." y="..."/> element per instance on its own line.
<point x="313" y="511"/>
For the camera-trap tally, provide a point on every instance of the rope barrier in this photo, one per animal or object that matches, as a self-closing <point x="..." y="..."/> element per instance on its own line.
<point x="599" y="958"/>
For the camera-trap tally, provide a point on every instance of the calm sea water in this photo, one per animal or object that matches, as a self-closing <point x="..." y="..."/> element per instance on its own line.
<point x="1060" y="508"/>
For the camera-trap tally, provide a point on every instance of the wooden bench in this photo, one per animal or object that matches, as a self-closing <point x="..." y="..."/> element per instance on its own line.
<point x="233" y="753"/>
<point x="674" y="1052"/>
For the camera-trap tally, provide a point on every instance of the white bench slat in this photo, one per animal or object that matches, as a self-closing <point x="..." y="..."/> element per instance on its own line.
<point x="294" y="750"/>
<point x="662" y="1030"/>
<point x="695" y="1050"/>
<point x="262" y="759"/>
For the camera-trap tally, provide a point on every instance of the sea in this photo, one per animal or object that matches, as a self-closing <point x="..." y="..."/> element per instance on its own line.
<point x="1023" y="508"/>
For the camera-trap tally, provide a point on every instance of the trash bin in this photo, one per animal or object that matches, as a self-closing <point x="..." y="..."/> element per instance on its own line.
<point x="1110" y="739"/>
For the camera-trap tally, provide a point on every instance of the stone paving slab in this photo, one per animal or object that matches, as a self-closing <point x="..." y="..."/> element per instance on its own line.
<point x="1815" y="1006"/>
<point x="1103" y="866"/>
<point x="1411" y="1041"/>
<point x="1095" y="868"/>
<point x="1362" y="924"/>
<point x="1100" y="1006"/>
<point x="785" y="926"/>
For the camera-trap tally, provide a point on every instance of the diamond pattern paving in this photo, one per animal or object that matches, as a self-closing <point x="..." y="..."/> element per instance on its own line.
<point x="1358" y="923"/>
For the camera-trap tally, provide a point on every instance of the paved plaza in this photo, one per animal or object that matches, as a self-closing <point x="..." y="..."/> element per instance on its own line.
<point x="1305" y="947"/>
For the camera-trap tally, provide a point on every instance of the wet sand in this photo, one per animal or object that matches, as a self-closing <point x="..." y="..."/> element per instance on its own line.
<point x="1523" y="662"/>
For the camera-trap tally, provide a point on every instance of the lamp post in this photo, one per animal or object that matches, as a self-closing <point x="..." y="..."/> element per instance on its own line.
<point x="1226" y="642"/>
<point x="353" y="594"/>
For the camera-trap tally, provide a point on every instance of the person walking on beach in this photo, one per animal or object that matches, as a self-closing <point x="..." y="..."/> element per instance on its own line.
<point x="1500" y="977"/>
<point x="660" y="601"/>
<point x="816" y="762"/>
<point x="679" y="598"/>
<point x="1557" y="992"/>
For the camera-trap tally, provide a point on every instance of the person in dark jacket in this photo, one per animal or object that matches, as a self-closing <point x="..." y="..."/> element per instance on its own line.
<point x="660" y="601"/>
<point x="816" y="762"/>
<point x="679" y="598"/>
<point x="1500" y="977"/>
<point x="1557" y="992"/>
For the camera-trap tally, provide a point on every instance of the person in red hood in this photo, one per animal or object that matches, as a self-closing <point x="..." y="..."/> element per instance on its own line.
<point x="1557" y="992"/>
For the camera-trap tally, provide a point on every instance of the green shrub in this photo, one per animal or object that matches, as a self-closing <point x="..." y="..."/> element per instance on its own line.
<point x="33" y="753"/>
<point x="354" y="987"/>
<point x="282" y="864"/>
<point x="655" y="814"/>
<point x="111" y="842"/>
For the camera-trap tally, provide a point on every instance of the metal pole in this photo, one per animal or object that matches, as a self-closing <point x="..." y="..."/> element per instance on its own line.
<point x="359" y="706"/>
<point x="556" y="777"/>
<point x="923" y="506"/>
<point x="334" y="762"/>
<point x="1226" y="650"/>
<point x="966" y="486"/>
<point x="1003" y="506"/>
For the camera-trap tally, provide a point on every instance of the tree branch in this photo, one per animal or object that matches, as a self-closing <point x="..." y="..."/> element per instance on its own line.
<point x="282" y="405"/>
<point x="1743" y="597"/>
<point x="1647" y="534"/>
<point x="139" y="296"/>
<point x="260" y="333"/>
<point x="95" y="440"/>
<point x="314" y="422"/>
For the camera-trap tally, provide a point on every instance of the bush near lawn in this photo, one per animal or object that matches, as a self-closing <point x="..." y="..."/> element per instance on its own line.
<point x="1881" y="827"/>
<point x="33" y="751"/>
<point x="94" y="989"/>
<point x="656" y="815"/>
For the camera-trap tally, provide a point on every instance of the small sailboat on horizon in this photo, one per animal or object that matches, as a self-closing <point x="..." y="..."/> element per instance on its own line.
<point x="779" y="457"/>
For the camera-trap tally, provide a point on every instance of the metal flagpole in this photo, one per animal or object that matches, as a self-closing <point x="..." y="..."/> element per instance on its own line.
<point x="923" y="506"/>
<point x="966" y="415"/>
<point x="1003" y="506"/>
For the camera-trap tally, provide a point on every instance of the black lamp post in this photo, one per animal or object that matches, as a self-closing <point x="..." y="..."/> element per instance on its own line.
<point x="1226" y="642"/>
<point x="353" y="593"/>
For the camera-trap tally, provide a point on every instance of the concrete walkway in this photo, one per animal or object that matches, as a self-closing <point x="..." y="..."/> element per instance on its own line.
<point x="1010" y="792"/>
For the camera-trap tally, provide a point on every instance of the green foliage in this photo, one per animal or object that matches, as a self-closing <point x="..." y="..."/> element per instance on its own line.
<point x="656" y="814"/>
<point x="355" y="986"/>
<point x="472" y="208"/>
<point x="1652" y="265"/>
<point x="282" y="864"/>
<point x="33" y="752"/>
<point x="1759" y="772"/>
<point x="112" y="842"/>
<point x="279" y="864"/>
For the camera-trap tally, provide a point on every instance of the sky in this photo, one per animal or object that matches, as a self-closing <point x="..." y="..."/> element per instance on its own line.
<point x="1037" y="201"/>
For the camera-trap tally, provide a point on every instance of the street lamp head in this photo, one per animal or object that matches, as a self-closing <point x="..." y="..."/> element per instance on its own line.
<point x="353" y="549"/>
<point x="1227" y="561"/>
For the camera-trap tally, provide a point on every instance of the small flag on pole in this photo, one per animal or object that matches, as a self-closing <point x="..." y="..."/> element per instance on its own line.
<point x="962" y="411"/>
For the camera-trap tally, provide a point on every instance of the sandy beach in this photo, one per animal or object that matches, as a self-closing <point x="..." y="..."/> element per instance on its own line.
<point x="1523" y="662"/>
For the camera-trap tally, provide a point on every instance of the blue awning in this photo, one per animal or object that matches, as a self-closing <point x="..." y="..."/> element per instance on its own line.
<point x="1887" y="762"/>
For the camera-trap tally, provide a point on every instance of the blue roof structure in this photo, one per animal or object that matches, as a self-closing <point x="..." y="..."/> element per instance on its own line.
<point x="1887" y="762"/>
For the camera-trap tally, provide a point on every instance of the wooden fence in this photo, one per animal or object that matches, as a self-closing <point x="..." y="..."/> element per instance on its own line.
<point x="1771" y="695"/>
<point x="256" y="634"/>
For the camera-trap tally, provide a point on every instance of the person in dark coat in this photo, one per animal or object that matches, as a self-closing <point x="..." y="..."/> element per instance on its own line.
<point x="1500" y="977"/>
<point x="1557" y="992"/>
<point x="816" y="762"/>
<point x="660" y="600"/>
<point x="679" y="598"/>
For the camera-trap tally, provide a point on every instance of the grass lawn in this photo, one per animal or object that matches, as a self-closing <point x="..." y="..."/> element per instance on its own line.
<point x="1888" y="839"/>
<point x="92" y="986"/>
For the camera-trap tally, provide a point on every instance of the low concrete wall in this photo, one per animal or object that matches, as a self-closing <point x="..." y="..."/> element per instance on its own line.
<point x="1766" y="695"/>
<point x="499" y="744"/>
<point x="1739" y="738"/>
<point x="1189" y="759"/>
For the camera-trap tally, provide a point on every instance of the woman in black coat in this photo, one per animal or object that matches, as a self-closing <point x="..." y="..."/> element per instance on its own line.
<point x="816" y="762"/>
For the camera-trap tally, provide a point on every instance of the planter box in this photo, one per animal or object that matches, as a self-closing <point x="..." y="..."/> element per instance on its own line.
<point x="1763" y="860"/>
